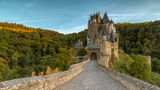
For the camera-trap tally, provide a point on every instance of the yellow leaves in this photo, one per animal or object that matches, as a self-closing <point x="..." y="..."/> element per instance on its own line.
<point x="50" y="71"/>
<point x="33" y="74"/>
<point x="40" y="73"/>
<point x="17" y="30"/>
<point x="55" y="70"/>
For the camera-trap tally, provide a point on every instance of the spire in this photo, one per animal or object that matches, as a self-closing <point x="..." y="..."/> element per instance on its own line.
<point x="105" y="14"/>
<point x="105" y="18"/>
<point x="99" y="17"/>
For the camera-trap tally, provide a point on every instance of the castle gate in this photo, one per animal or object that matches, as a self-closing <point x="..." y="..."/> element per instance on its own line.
<point x="93" y="52"/>
<point x="93" y="56"/>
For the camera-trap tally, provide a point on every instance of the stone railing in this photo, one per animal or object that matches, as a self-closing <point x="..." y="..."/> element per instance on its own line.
<point x="130" y="82"/>
<point x="46" y="82"/>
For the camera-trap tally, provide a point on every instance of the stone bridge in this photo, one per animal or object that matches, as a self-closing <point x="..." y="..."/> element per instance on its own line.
<point x="91" y="78"/>
<point x="87" y="75"/>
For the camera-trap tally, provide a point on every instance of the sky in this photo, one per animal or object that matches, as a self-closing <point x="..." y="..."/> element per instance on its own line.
<point x="68" y="16"/>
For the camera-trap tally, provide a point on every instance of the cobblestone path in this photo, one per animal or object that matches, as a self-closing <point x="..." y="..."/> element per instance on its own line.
<point x="91" y="78"/>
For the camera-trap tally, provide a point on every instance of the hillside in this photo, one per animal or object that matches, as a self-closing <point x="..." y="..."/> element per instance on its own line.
<point x="140" y="38"/>
<point x="135" y="65"/>
<point x="24" y="50"/>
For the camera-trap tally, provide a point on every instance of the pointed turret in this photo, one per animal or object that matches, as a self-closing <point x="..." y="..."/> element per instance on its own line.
<point x="105" y="18"/>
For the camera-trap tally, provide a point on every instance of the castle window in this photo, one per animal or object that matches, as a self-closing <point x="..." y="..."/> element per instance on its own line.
<point x="104" y="38"/>
<point x="115" y="39"/>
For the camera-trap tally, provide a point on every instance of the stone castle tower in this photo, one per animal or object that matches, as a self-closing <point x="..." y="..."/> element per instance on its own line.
<point x="102" y="40"/>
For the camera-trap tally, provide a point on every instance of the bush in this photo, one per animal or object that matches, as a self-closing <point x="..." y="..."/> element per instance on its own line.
<point x="155" y="79"/>
<point x="123" y="64"/>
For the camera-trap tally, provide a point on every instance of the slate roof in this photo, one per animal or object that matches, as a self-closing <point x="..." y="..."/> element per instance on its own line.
<point x="93" y="46"/>
<point x="104" y="32"/>
<point x="105" y="18"/>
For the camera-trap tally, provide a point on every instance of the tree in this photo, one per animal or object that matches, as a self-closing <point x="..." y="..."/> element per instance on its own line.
<point x="155" y="65"/>
<point x="140" y="68"/>
<point x="81" y="51"/>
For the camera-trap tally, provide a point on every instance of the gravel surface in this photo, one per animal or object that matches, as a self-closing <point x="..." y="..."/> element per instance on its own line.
<point x="91" y="78"/>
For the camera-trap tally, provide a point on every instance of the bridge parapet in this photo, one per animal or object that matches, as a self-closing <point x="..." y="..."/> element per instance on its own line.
<point x="128" y="81"/>
<point x="46" y="82"/>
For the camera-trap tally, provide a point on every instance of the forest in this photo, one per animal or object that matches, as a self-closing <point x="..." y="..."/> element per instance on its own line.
<point x="24" y="50"/>
<point x="140" y="38"/>
<point x="144" y="39"/>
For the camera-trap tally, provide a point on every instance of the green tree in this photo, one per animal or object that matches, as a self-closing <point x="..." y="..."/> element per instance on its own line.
<point x="155" y="65"/>
<point x="81" y="51"/>
<point x="140" y="68"/>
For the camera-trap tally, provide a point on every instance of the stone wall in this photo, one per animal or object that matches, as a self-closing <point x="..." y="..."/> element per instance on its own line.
<point x="130" y="82"/>
<point x="46" y="82"/>
<point x="115" y="53"/>
<point x="105" y="53"/>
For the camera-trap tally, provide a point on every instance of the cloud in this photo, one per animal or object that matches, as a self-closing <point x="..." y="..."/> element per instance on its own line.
<point x="30" y="4"/>
<point x="158" y="14"/>
<point x="72" y="30"/>
<point x="79" y="28"/>
<point x="7" y="4"/>
<point x="9" y="19"/>
<point x="115" y="15"/>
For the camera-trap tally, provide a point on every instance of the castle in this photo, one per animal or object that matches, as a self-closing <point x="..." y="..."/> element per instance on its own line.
<point x="102" y="40"/>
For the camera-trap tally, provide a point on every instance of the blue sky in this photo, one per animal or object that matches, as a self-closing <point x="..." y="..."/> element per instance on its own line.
<point x="68" y="16"/>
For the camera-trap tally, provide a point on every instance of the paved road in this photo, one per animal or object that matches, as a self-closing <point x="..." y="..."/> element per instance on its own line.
<point x="91" y="78"/>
